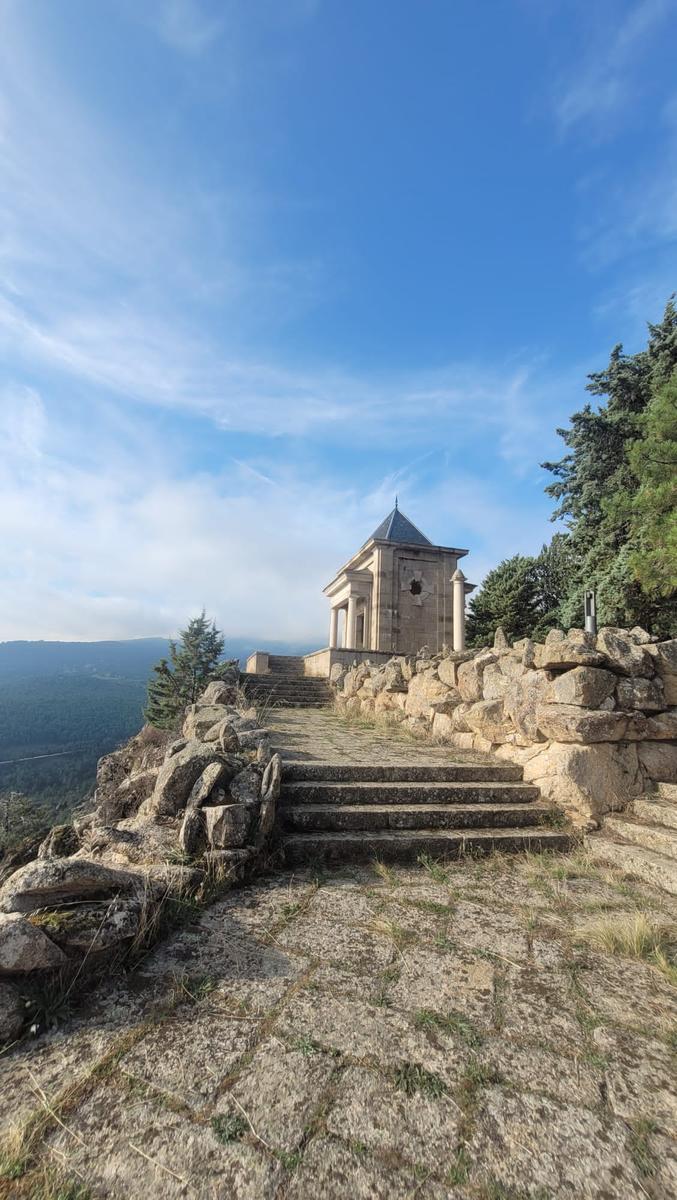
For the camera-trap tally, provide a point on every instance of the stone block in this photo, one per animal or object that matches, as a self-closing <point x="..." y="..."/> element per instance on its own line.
<point x="471" y="673"/>
<point x="201" y="717"/>
<point x="487" y="718"/>
<point x="24" y="947"/>
<point x="659" y="760"/>
<point x="664" y="658"/>
<point x="588" y="687"/>
<point x="228" y="826"/>
<point x="495" y="682"/>
<point x="560" y="653"/>
<point x="588" y="781"/>
<point x="662" y="726"/>
<point x="423" y="689"/>
<point x="621" y="654"/>
<point x="571" y="723"/>
<point x="638" y="692"/>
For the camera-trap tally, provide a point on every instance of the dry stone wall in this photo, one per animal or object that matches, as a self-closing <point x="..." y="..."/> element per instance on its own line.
<point x="171" y="816"/>
<point x="591" y="719"/>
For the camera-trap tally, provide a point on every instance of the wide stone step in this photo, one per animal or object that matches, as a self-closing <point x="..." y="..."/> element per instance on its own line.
<point x="406" y="845"/>
<point x="450" y="772"/>
<point x="367" y="817"/>
<point x="655" y="811"/>
<point x="652" y="868"/>
<point x="386" y="793"/>
<point x="653" y="837"/>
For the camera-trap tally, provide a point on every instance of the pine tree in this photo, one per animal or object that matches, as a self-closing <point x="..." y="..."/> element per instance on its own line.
<point x="653" y="508"/>
<point x="596" y="484"/>
<point x="193" y="661"/>
<point x="552" y="575"/>
<point x="507" y="598"/>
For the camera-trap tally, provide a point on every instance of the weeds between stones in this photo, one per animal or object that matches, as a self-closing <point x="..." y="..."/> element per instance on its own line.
<point x="411" y="1078"/>
<point x="395" y="933"/>
<point x="635" y="936"/>
<point x="453" y="1023"/>
<point x="640" y="1146"/>
<point x="306" y="1045"/>
<point x="435" y="868"/>
<point x="459" y="1171"/>
<point x="384" y="872"/>
<point x="228" y="1127"/>
<point x="381" y="997"/>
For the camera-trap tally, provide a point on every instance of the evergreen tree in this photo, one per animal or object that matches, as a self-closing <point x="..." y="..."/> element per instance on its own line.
<point x="596" y="485"/>
<point x="653" y="508"/>
<point x="552" y="575"/>
<point x="507" y="598"/>
<point x="193" y="661"/>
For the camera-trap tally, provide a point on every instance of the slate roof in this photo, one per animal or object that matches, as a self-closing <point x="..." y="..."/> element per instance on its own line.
<point x="398" y="528"/>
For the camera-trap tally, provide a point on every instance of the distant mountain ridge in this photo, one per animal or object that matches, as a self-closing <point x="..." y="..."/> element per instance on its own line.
<point x="133" y="658"/>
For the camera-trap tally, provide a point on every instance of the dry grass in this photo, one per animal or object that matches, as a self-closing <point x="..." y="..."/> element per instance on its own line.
<point x="638" y="936"/>
<point x="395" y="933"/>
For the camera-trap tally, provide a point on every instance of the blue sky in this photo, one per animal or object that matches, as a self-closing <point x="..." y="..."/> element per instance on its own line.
<point x="264" y="265"/>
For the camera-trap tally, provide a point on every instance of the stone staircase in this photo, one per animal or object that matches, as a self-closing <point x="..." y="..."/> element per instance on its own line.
<point x="286" y="685"/>
<point x="345" y="812"/>
<point x="643" y="840"/>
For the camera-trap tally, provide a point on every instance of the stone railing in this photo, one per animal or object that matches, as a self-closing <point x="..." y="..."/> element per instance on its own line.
<point x="172" y="818"/>
<point x="591" y="719"/>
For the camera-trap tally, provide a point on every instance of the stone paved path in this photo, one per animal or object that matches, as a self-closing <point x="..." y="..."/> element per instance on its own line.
<point x="427" y="1032"/>
<point x="320" y="735"/>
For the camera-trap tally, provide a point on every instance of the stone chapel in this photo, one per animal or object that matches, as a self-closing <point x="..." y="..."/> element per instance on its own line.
<point x="399" y="592"/>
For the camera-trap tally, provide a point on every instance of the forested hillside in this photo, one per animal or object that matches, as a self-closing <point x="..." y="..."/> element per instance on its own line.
<point x="62" y="706"/>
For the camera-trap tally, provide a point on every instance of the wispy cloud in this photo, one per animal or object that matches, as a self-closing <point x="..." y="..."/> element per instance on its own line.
<point x="604" y="82"/>
<point x="187" y="26"/>
<point x="109" y="282"/>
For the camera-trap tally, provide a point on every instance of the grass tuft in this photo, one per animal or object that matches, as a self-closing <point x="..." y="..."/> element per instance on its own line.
<point x="635" y="935"/>
<point x="411" y="1078"/>
<point x="435" y="869"/>
<point x="640" y="1146"/>
<point x="454" y="1023"/>
<point x="228" y="1127"/>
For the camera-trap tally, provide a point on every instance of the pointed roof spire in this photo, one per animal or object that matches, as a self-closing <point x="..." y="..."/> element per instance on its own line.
<point x="398" y="528"/>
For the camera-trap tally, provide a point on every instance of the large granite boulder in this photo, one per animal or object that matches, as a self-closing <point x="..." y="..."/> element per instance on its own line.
<point x="11" y="1013"/>
<point x="220" y="691"/>
<point x="46" y="882"/>
<point x="587" y="781"/>
<point x="192" y="832"/>
<point x="216" y="774"/>
<point x="178" y="775"/>
<point x="202" y="717"/>
<point x="588" y="687"/>
<point x="24" y="947"/>
<point x="245" y="788"/>
<point x="61" y="842"/>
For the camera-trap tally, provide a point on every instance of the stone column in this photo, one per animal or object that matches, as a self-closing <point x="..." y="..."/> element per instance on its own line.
<point x="351" y="623"/>
<point x="333" y="628"/>
<point x="458" y="585"/>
